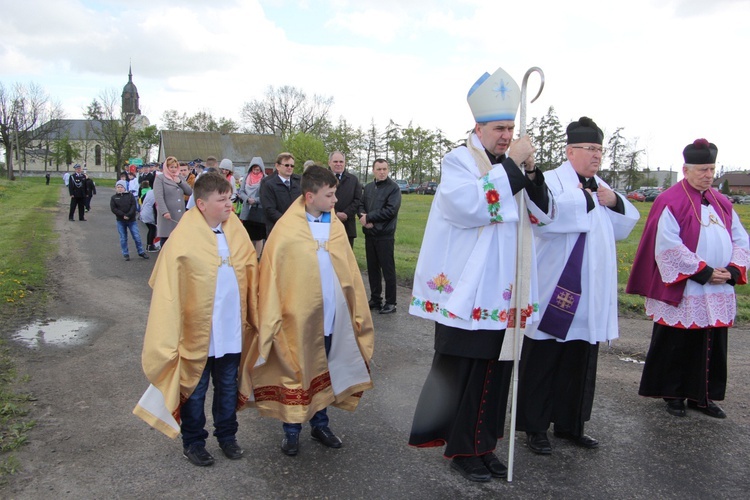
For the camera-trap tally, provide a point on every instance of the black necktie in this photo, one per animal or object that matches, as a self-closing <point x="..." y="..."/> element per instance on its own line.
<point x="286" y="182"/>
<point x="216" y="231"/>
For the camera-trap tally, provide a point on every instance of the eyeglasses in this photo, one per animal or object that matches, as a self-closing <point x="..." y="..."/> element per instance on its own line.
<point x="286" y="164"/>
<point x="591" y="149"/>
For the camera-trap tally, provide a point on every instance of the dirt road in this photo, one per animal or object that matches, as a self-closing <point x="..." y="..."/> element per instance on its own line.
<point x="87" y="444"/>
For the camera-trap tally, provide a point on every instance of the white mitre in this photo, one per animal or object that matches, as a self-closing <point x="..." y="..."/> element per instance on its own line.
<point x="494" y="97"/>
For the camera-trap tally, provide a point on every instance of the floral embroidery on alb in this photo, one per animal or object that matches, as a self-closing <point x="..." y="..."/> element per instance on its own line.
<point x="493" y="200"/>
<point x="695" y="311"/>
<point x="478" y="313"/>
<point x="677" y="263"/>
<point x="441" y="283"/>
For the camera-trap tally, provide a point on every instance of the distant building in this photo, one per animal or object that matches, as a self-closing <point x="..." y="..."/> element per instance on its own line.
<point x="739" y="182"/>
<point x="82" y="135"/>
<point x="240" y="148"/>
<point x="657" y="178"/>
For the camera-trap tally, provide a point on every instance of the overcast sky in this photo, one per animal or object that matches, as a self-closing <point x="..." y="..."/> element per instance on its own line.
<point x="667" y="71"/>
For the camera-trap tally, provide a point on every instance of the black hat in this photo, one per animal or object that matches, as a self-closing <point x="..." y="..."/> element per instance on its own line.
<point x="700" y="152"/>
<point x="584" y="130"/>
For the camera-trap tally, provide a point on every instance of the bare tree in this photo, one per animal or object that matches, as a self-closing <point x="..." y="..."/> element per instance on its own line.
<point x="288" y="110"/>
<point x="115" y="130"/>
<point x="26" y="115"/>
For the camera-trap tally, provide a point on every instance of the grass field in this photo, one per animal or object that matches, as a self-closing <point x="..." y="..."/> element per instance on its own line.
<point x="27" y="213"/>
<point x="413" y="217"/>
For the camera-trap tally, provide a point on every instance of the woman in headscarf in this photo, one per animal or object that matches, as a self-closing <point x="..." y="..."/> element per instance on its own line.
<point x="252" y="212"/>
<point x="169" y="192"/>
<point x="227" y="169"/>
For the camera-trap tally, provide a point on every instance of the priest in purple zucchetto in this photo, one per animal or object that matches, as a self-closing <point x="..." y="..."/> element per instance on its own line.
<point x="693" y="252"/>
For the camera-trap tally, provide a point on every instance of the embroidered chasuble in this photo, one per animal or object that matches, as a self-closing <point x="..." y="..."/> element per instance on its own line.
<point x="177" y="339"/>
<point x="293" y="379"/>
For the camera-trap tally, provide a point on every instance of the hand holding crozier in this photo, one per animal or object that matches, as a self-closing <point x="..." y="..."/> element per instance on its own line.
<point x="521" y="150"/>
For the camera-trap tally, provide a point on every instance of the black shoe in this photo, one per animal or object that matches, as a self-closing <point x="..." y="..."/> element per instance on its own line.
<point x="71" y="219"/>
<point x="82" y="220"/>
<point x="472" y="468"/>
<point x="126" y="257"/>
<point x="198" y="455"/>
<point x="712" y="409"/>
<point x="493" y="464"/>
<point x="583" y="441"/>
<point x="150" y="248"/>
<point x="538" y="443"/>
<point x="676" y="407"/>
<point x="372" y="303"/>
<point x="231" y="450"/>
<point x="143" y="255"/>
<point x="388" y="309"/>
<point x="326" y="437"/>
<point x="290" y="444"/>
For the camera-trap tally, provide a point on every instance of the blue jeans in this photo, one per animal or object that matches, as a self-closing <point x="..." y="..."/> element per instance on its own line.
<point x="122" y="228"/>
<point x="320" y="419"/>
<point x="223" y="370"/>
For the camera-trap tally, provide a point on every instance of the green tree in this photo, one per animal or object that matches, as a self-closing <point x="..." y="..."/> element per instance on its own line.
<point x="549" y="138"/>
<point x="115" y="130"/>
<point x="305" y="147"/>
<point x="172" y="120"/>
<point x="617" y="153"/>
<point x="633" y="176"/>
<point x="345" y="138"/>
<point x="725" y="187"/>
<point x="63" y="151"/>
<point x="147" y="139"/>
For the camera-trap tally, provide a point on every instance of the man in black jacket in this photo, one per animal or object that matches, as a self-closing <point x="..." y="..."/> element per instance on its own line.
<point x="378" y="214"/>
<point x="77" y="191"/>
<point x="277" y="192"/>
<point x="348" y="194"/>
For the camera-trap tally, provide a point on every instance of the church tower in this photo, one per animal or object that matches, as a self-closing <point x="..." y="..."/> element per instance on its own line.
<point x="130" y="96"/>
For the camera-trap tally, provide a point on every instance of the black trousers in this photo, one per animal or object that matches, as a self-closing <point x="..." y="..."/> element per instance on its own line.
<point x="684" y="363"/>
<point x="79" y="202"/>
<point x="556" y="384"/>
<point x="463" y="400"/>
<point x="381" y="265"/>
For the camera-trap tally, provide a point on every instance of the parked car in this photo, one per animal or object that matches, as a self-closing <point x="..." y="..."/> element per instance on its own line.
<point x="636" y="196"/>
<point x="427" y="188"/>
<point x="403" y="186"/>
<point x="413" y="187"/>
<point x="651" y="195"/>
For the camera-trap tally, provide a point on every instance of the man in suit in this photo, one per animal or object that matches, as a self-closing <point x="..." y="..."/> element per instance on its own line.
<point x="348" y="194"/>
<point x="278" y="191"/>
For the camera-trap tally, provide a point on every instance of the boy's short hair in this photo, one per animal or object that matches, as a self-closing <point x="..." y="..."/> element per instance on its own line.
<point x="316" y="177"/>
<point x="210" y="182"/>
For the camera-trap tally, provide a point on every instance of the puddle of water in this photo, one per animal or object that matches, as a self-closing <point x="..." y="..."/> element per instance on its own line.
<point x="60" y="332"/>
<point x="631" y="360"/>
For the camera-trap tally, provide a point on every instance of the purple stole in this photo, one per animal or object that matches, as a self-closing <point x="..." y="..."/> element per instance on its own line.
<point x="645" y="278"/>
<point x="567" y="294"/>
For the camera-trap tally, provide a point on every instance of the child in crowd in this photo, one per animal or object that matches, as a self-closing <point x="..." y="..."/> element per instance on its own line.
<point x="316" y="334"/>
<point x="191" y="338"/>
<point x="123" y="205"/>
<point x="148" y="217"/>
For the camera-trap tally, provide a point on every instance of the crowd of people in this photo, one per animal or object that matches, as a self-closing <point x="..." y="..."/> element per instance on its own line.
<point x="289" y="330"/>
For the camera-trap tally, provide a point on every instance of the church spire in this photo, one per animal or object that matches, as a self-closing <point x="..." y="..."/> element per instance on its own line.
<point x="130" y="97"/>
